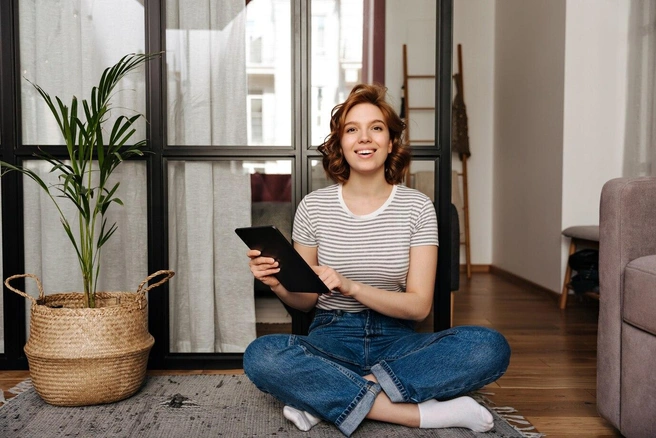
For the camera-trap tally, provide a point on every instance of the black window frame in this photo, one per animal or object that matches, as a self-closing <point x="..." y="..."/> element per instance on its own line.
<point x="300" y="152"/>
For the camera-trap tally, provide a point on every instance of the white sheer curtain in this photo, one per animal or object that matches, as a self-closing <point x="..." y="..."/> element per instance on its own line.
<point x="207" y="82"/>
<point x="211" y="298"/>
<point x="64" y="48"/>
<point x="640" y="143"/>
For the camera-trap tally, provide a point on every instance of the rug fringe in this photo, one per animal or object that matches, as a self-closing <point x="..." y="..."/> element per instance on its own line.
<point x="16" y="390"/>
<point x="518" y="422"/>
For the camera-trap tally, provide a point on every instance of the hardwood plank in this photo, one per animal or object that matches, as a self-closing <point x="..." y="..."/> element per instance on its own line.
<point x="575" y="427"/>
<point x="513" y="396"/>
<point x="537" y="382"/>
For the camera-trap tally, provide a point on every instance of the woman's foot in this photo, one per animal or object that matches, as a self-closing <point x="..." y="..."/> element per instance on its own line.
<point x="459" y="412"/>
<point x="301" y="419"/>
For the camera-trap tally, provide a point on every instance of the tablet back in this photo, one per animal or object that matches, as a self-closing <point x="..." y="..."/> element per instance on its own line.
<point x="295" y="274"/>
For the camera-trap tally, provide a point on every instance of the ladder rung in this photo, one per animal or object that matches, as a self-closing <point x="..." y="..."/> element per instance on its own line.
<point x="422" y="108"/>
<point x="421" y="76"/>
<point x="422" y="141"/>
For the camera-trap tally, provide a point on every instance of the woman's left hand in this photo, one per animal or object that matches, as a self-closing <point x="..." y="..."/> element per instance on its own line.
<point x="334" y="280"/>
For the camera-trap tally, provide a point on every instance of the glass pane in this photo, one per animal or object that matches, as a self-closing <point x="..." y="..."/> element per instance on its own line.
<point x="416" y="30"/>
<point x="65" y="48"/>
<point x="421" y="113"/>
<point x="229" y="72"/>
<point x="336" y="58"/>
<point x="422" y="177"/>
<point x="214" y="303"/>
<point x="318" y="178"/>
<point x="49" y="254"/>
<point x="355" y="41"/>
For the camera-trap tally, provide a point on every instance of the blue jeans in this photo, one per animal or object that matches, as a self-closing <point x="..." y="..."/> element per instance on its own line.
<point x="322" y="373"/>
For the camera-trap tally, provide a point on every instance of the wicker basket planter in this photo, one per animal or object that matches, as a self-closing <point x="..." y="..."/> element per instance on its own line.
<point x="80" y="356"/>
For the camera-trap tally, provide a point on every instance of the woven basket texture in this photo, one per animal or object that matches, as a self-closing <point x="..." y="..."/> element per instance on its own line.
<point x="80" y="356"/>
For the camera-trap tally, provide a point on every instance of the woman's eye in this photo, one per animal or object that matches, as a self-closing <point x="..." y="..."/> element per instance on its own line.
<point x="350" y="129"/>
<point x="378" y="128"/>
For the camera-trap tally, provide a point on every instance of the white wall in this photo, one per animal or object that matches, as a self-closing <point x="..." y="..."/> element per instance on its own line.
<point x="473" y="29"/>
<point x="556" y="96"/>
<point x="528" y="113"/>
<point x="595" y="106"/>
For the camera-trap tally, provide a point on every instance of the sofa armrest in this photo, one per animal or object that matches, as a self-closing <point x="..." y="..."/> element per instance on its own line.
<point x="627" y="230"/>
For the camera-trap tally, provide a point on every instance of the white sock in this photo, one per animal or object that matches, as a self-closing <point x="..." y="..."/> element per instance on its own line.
<point x="459" y="412"/>
<point x="301" y="419"/>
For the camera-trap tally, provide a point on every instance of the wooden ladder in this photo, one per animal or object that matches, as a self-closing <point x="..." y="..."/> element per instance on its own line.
<point x="407" y="109"/>
<point x="406" y="97"/>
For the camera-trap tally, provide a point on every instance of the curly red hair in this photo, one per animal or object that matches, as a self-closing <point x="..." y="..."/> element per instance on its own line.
<point x="398" y="161"/>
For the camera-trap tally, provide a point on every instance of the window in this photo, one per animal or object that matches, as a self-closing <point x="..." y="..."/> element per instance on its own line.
<point x="235" y="110"/>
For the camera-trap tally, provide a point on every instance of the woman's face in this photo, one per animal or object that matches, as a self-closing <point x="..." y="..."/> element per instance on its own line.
<point x="366" y="140"/>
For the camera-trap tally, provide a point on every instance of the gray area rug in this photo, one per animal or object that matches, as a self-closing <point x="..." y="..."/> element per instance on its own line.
<point x="192" y="406"/>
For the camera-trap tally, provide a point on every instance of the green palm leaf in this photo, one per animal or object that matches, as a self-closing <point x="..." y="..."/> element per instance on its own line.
<point x="81" y="182"/>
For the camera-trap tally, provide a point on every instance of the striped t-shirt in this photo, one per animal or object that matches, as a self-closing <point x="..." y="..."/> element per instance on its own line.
<point x="373" y="249"/>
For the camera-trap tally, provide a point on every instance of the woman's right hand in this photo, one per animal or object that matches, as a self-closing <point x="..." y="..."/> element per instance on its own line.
<point x="263" y="268"/>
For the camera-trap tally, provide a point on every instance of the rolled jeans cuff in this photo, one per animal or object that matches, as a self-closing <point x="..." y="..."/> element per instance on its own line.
<point x="358" y="409"/>
<point x="389" y="383"/>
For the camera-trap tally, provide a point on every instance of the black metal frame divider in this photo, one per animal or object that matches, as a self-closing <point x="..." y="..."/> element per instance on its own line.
<point x="300" y="153"/>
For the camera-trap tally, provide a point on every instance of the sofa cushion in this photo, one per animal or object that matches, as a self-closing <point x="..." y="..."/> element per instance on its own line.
<point x="640" y="293"/>
<point x="584" y="232"/>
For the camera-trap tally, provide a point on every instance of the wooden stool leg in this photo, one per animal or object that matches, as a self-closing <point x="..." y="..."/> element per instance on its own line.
<point x="568" y="275"/>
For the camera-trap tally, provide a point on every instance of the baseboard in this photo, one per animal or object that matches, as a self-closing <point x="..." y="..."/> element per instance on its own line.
<point x="516" y="279"/>
<point x="476" y="268"/>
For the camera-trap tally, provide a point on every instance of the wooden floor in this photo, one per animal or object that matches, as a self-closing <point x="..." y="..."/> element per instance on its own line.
<point x="551" y="380"/>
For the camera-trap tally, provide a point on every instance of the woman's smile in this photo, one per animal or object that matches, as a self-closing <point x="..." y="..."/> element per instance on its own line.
<point x="365" y="152"/>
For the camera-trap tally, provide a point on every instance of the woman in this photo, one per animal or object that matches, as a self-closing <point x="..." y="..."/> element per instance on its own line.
<point x="373" y="242"/>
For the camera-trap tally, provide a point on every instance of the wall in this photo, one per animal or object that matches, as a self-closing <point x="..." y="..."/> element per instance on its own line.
<point x="528" y="138"/>
<point x="595" y="109"/>
<point x="545" y="90"/>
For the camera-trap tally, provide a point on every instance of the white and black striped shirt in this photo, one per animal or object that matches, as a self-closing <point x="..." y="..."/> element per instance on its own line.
<point x="373" y="249"/>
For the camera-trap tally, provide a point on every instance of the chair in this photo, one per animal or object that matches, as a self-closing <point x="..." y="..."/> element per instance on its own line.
<point x="626" y="344"/>
<point x="455" y="255"/>
<point x="580" y="235"/>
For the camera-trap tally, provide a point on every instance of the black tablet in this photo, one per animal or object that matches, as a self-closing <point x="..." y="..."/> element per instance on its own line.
<point x="295" y="274"/>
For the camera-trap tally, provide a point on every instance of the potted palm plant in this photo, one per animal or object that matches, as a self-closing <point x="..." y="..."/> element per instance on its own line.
<point x="89" y="347"/>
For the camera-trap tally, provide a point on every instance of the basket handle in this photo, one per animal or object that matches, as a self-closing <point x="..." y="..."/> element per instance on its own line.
<point x="167" y="274"/>
<point x="21" y="293"/>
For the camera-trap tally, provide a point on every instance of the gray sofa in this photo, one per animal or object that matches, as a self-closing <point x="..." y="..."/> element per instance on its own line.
<point x="626" y="345"/>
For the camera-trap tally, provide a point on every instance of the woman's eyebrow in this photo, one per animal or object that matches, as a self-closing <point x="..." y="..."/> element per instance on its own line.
<point x="355" y="122"/>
